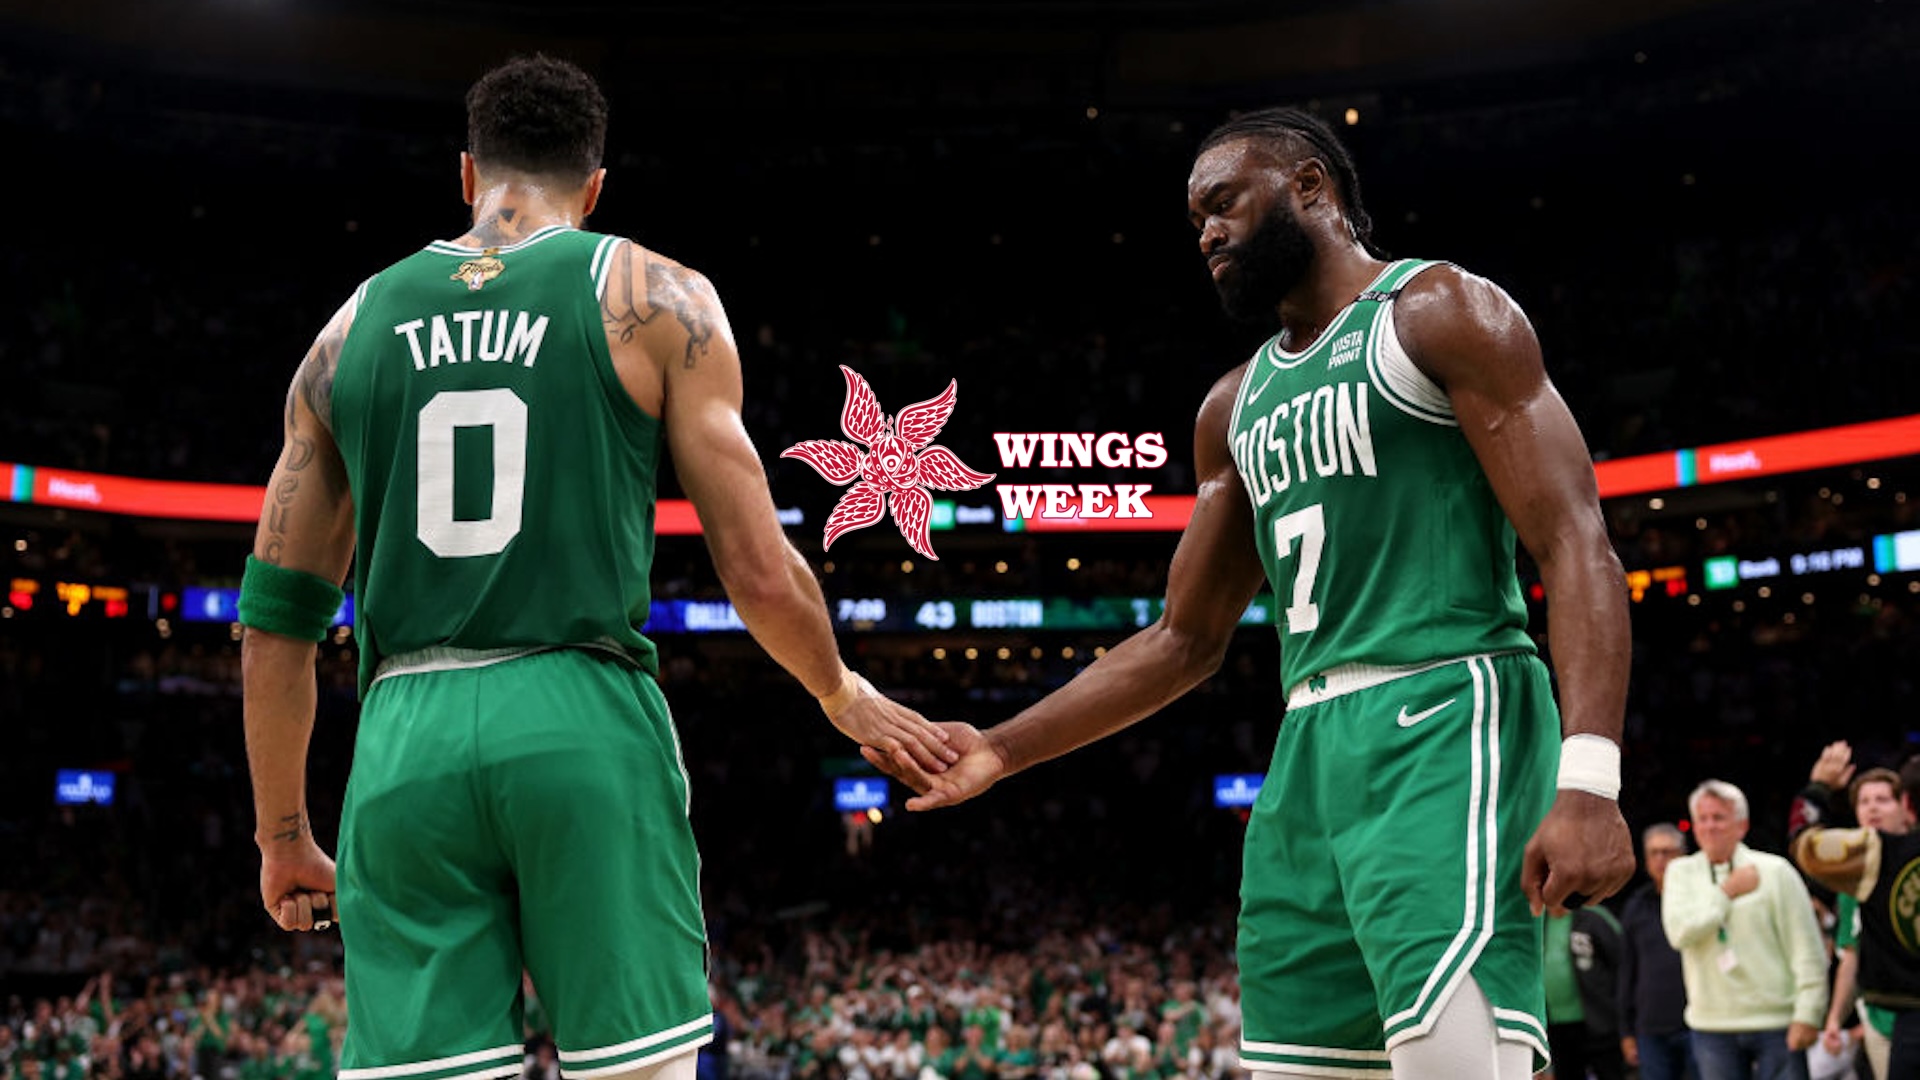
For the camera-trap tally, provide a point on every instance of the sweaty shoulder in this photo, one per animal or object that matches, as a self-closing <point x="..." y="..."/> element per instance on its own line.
<point x="1216" y="409"/>
<point x="644" y="285"/>
<point x="1449" y="320"/>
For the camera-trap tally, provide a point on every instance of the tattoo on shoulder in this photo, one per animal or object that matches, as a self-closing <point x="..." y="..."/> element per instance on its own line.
<point x="673" y="287"/>
<point x="313" y="385"/>
<point x="314" y="380"/>
<point x="631" y="302"/>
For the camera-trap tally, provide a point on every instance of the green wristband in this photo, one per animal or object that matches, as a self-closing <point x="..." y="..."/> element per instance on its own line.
<point x="291" y="603"/>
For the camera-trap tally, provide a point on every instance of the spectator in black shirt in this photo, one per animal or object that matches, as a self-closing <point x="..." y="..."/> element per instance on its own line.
<point x="1653" y="995"/>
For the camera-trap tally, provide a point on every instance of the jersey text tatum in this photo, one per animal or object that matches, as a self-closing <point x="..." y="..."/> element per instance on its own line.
<point x="504" y="337"/>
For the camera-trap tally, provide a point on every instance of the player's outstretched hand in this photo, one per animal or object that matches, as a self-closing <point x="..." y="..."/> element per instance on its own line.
<point x="980" y="763"/>
<point x="1834" y="767"/>
<point x="878" y="722"/>
<point x="296" y="884"/>
<point x="1582" y="850"/>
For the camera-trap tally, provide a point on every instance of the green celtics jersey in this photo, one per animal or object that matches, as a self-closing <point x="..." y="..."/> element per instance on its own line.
<point x="1375" y="523"/>
<point x="503" y="479"/>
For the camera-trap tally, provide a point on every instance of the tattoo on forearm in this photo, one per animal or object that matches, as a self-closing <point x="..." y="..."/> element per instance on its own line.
<point x="631" y="303"/>
<point x="291" y="827"/>
<point x="280" y="514"/>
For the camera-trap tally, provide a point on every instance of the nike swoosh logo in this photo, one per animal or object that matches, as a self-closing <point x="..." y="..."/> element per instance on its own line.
<point x="1409" y="719"/>
<point x="1256" y="391"/>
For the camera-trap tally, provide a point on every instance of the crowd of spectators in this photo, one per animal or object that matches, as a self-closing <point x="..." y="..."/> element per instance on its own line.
<point x="255" y="1025"/>
<point x="846" y="998"/>
<point x="1112" y="862"/>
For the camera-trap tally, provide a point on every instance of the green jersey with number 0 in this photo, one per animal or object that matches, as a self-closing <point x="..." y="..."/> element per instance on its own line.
<point x="503" y="479"/>
<point x="1376" y="525"/>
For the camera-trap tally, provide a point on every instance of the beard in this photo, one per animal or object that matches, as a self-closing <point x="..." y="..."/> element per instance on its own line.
<point x="1265" y="267"/>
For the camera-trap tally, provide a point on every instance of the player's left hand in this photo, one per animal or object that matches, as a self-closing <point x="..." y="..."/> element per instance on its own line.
<point x="297" y="884"/>
<point x="1800" y="1036"/>
<point x="1582" y="848"/>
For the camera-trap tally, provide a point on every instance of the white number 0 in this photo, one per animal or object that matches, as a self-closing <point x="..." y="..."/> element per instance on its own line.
<point x="504" y="412"/>
<point x="1311" y="526"/>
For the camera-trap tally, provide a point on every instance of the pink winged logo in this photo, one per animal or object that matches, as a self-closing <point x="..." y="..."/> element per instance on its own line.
<point x="895" y="460"/>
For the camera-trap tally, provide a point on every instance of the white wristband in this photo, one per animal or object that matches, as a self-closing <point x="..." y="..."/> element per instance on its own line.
<point x="1590" y="763"/>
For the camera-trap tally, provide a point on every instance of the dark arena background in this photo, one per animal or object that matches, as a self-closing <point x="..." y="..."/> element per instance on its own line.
<point x="1704" y="206"/>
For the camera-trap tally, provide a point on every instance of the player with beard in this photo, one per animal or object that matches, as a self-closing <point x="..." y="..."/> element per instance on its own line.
<point x="1374" y="462"/>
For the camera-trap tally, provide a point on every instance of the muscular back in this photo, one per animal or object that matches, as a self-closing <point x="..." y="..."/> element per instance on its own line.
<point x="502" y="460"/>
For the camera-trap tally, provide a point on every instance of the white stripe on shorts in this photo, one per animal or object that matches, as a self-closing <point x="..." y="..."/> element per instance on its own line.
<point x="1332" y="1072"/>
<point x="382" y="1072"/>
<point x="1482" y="825"/>
<point x="577" y="1056"/>
<point x="1520" y="1019"/>
<point x="668" y="1054"/>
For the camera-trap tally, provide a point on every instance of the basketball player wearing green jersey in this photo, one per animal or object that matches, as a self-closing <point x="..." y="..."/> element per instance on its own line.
<point x="1374" y="462"/>
<point x="479" y="427"/>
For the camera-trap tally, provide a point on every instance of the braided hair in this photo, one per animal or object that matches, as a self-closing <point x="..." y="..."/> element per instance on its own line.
<point x="1300" y="134"/>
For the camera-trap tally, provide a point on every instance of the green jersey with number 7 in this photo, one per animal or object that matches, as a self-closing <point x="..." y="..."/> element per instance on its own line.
<point x="502" y="476"/>
<point x="1378" y="529"/>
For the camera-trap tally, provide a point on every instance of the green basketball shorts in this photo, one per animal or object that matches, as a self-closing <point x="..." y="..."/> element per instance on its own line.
<point x="1382" y="861"/>
<point x="509" y="813"/>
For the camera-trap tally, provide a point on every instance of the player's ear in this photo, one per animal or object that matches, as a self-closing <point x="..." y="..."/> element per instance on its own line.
<point x="1310" y="182"/>
<point x="467" y="182"/>
<point x="594" y="184"/>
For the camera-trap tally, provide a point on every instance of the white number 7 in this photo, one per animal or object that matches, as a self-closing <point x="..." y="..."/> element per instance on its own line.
<point x="1311" y="526"/>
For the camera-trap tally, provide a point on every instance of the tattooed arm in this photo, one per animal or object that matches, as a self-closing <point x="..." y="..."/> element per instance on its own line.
<point x="306" y="524"/>
<point x="660" y="315"/>
<point x="675" y="354"/>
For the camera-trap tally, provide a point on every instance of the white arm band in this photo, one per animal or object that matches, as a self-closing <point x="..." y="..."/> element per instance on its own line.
<point x="1590" y="763"/>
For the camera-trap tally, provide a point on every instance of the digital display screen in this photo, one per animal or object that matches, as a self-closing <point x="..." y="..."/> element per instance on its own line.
<point x="856" y="794"/>
<point x="82" y="787"/>
<point x="1896" y="552"/>
<point x="1236" y="790"/>
<point x="223" y="605"/>
<point x="877" y="614"/>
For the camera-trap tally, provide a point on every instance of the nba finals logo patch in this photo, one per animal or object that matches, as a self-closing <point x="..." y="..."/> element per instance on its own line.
<point x="894" y="460"/>
<point x="477" y="272"/>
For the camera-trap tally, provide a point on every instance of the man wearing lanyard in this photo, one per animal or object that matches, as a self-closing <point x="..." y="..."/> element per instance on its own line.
<point x="1751" y="953"/>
